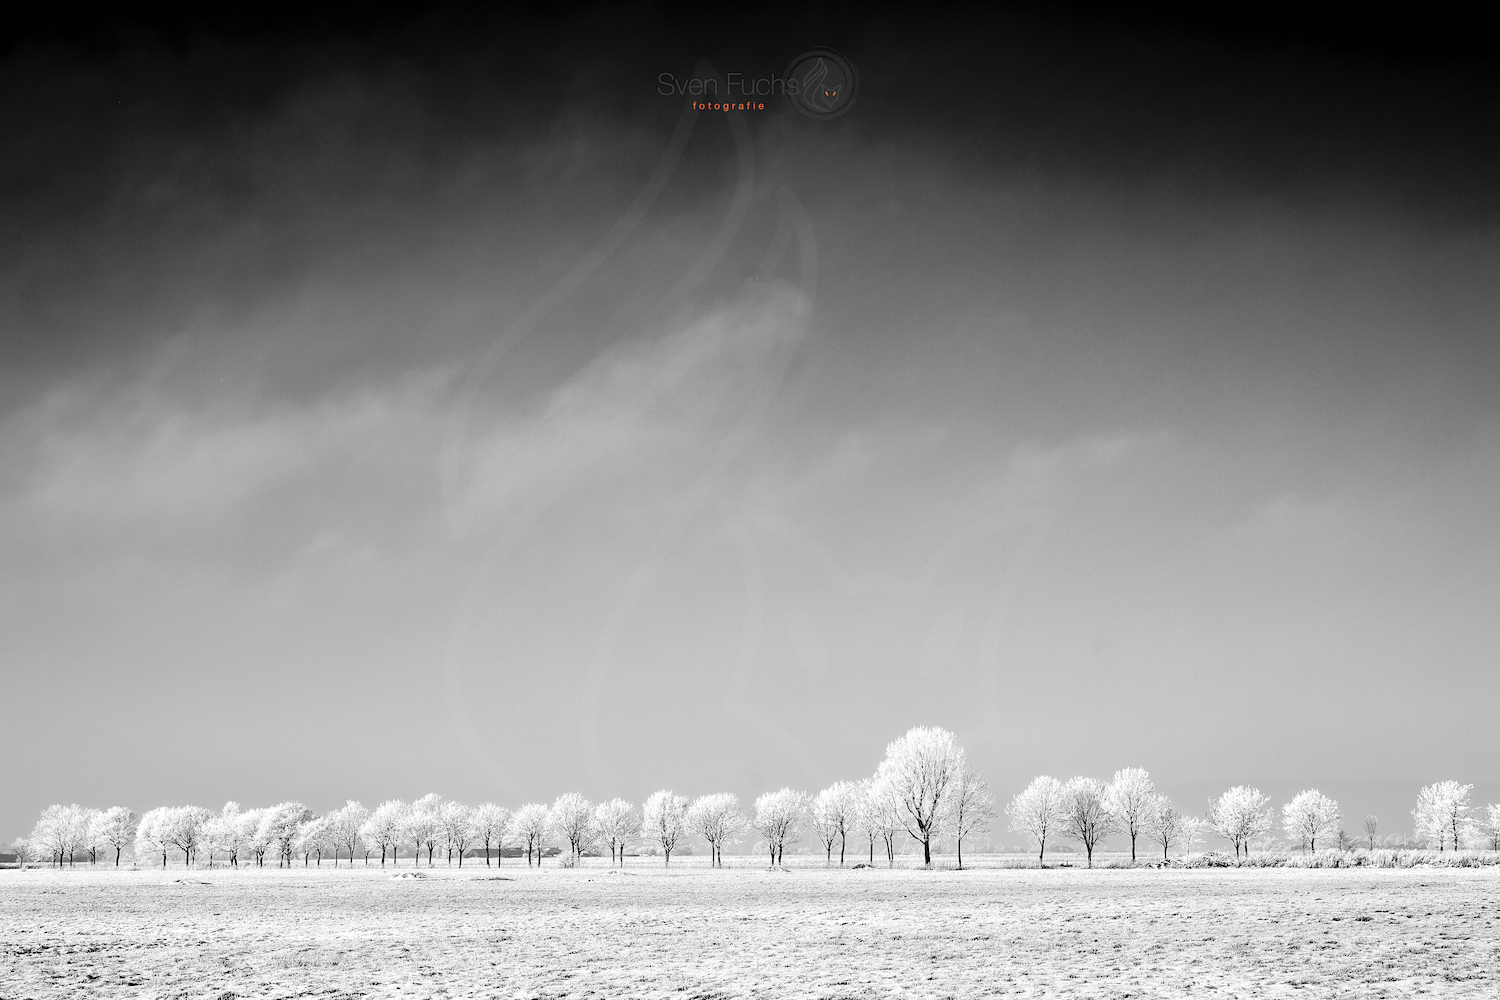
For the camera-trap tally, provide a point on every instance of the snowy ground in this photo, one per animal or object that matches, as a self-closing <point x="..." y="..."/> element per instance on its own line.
<point x="747" y="932"/>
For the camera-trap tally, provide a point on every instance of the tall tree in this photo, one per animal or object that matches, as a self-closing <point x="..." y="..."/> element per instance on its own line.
<point x="1086" y="816"/>
<point x="917" y="772"/>
<point x="1127" y="797"/>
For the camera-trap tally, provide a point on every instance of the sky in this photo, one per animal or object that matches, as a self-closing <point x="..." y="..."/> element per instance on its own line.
<point x="432" y="405"/>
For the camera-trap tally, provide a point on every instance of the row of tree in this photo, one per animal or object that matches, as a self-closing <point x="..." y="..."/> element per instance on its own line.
<point x="923" y="790"/>
<point x="1088" y="810"/>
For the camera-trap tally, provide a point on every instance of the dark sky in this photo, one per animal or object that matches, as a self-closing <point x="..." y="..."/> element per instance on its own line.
<point x="1112" y="391"/>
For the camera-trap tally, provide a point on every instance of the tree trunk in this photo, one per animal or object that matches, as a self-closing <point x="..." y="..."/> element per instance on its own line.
<point x="1041" y="848"/>
<point x="843" y="843"/>
<point x="1089" y="853"/>
<point x="927" y="851"/>
<point x="1132" y="845"/>
<point x="960" y="854"/>
<point x="117" y="857"/>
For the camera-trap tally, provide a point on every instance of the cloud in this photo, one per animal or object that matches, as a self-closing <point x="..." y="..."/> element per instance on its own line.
<point x="635" y="405"/>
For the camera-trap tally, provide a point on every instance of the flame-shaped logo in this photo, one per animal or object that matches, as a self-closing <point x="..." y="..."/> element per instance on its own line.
<point x="826" y="84"/>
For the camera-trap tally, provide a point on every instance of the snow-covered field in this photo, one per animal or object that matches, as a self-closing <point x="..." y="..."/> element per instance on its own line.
<point x="747" y="932"/>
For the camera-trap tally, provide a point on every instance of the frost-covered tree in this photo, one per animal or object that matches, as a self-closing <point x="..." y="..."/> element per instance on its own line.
<point x="91" y="834"/>
<point x="1086" y="816"/>
<point x="918" y="770"/>
<point x="1239" y="816"/>
<point x="344" y="824"/>
<point x="186" y="826"/>
<point x="866" y="814"/>
<point x="221" y="835"/>
<point x="488" y="824"/>
<point x="59" y="832"/>
<point x="571" y="818"/>
<point x="280" y="825"/>
<point x="314" y="839"/>
<point x="1372" y="825"/>
<point x="664" y="821"/>
<point x="1491" y="824"/>
<point x="777" y="816"/>
<point x="254" y="834"/>
<point x="970" y="807"/>
<point x="24" y="850"/>
<point x="1310" y="815"/>
<point x="618" y="825"/>
<point x="528" y="826"/>
<point x="1167" y="825"/>
<point x="455" y="827"/>
<point x="423" y="825"/>
<point x="117" y="826"/>
<point x="827" y="817"/>
<point x="1127" y="797"/>
<point x="386" y="826"/>
<point x="152" y="835"/>
<point x="1037" y="812"/>
<point x="886" y="812"/>
<point x="717" y="819"/>
<point x="1443" y="813"/>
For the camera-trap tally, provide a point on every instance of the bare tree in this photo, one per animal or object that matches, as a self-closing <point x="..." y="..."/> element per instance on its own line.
<point x="528" y="825"/>
<point x="664" y="820"/>
<point x="717" y="819"/>
<point x="1038" y="811"/>
<point x="1127" y="797"/>
<point x="489" y="828"/>
<point x="1167" y="825"/>
<point x="777" y="815"/>
<point x="344" y="824"/>
<point x="970" y="807"/>
<point x="1372" y="824"/>
<point x="917" y="771"/>
<point x="1086" y="816"/>
<point x="572" y="818"/>
<point x="1310" y="815"/>
<point x="618" y="825"/>
<point x="117" y="826"/>
<point x="386" y="826"/>
<point x="1443" y="813"/>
